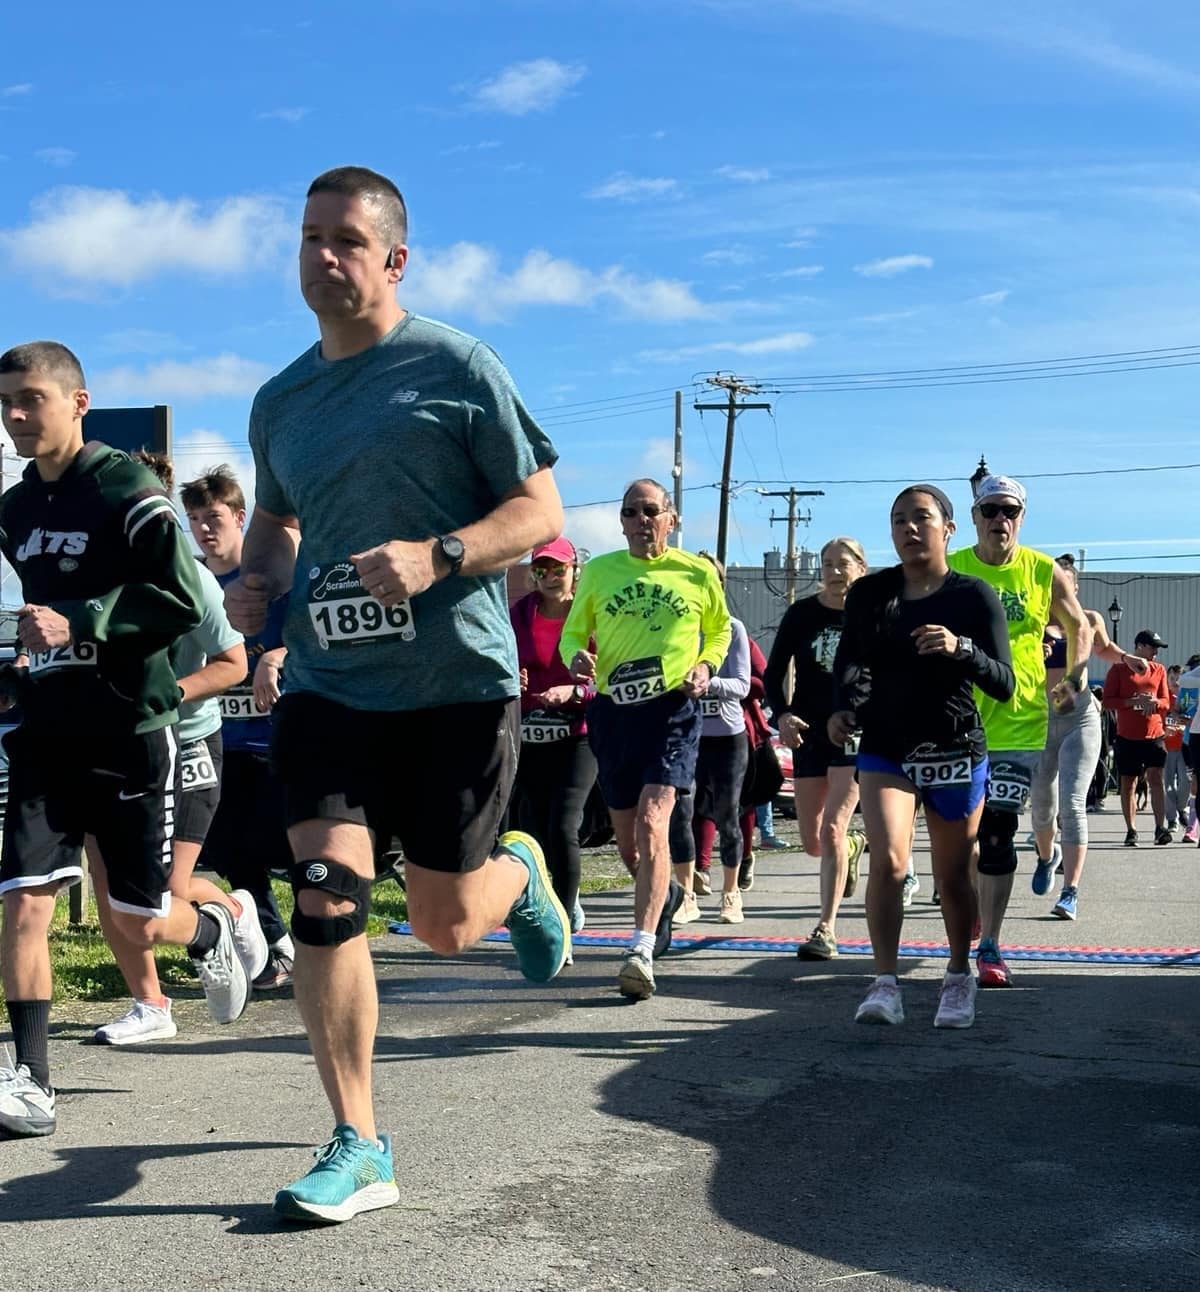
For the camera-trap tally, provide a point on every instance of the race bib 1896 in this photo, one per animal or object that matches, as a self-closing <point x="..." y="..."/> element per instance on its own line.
<point x="637" y="680"/>
<point x="931" y="769"/>
<point x="196" y="768"/>
<point x="344" y="614"/>
<point x="72" y="655"/>
<point x="1008" y="785"/>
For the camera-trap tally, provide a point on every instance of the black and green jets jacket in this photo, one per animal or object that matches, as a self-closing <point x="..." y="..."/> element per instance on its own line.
<point x="102" y="545"/>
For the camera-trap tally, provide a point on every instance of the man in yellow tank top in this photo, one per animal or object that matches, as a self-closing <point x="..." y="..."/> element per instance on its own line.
<point x="1031" y="588"/>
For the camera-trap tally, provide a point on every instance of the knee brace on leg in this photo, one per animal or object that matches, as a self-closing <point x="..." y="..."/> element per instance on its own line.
<point x="328" y="876"/>
<point x="997" y="855"/>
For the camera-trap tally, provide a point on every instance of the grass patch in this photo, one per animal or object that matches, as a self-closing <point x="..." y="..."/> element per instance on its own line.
<point x="84" y="969"/>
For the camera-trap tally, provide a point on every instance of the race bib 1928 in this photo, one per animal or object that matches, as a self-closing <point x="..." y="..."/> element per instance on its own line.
<point x="344" y="614"/>
<point x="72" y="655"/>
<point x="1008" y="785"/>
<point x="931" y="769"/>
<point x="637" y="680"/>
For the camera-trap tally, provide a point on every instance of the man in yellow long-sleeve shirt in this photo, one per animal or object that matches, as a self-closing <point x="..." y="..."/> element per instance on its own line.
<point x="658" y="618"/>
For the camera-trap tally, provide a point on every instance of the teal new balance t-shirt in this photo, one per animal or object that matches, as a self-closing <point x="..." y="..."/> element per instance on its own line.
<point x="420" y="435"/>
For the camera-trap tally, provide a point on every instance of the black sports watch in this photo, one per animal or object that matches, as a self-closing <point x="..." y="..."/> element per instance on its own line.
<point x="965" y="649"/>
<point x="452" y="550"/>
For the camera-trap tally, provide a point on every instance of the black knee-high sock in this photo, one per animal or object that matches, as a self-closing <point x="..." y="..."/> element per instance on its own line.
<point x="30" y="1021"/>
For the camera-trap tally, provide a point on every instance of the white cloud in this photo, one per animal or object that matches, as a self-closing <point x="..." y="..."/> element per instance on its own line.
<point x="467" y="278"/>
<point x="745" y="174"/>
<point x="290" y="115"/>
<point x="107" y="237"/>
<point x="781" y="343"/>
<point x="991" y="298"/>
<point x="803" y="271"/>
<point x="224" y="376"/>
<point x="195" y="451"/>
<point x="483" y="145"/>
<point x="624" y="187"/>
<point x="891" y="317"/>
<point x="12" y="91"/>
<point x="521" y="88"/>
<point x="729" y="256"/>
<point x="595" y="526"/>
<point x="890" y="266"/>
<point x="56" y="156"/>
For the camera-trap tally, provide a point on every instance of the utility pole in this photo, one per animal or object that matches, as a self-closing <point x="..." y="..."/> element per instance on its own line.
<point x="733" y="387"/>
<point x="677" y="470"/>
<point x="792" y="517"/>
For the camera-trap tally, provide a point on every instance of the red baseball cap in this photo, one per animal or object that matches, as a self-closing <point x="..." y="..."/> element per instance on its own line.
<point x="561" y="549"/>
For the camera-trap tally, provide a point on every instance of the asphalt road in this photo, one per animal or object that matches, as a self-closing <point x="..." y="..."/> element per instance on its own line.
<point x="736" y="1132"/>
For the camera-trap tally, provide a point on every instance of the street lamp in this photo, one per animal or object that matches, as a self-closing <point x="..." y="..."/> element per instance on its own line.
<point x="981" y="474"/>
<point x="1115" y="611"/>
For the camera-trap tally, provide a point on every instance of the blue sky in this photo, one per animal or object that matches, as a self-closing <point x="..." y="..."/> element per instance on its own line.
<point x="623" y="198"/>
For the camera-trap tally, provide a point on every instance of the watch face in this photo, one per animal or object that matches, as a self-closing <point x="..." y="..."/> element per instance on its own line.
<point x="453" y="550"/>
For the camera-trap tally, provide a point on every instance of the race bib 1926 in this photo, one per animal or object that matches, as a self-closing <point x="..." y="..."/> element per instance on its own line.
<point x="72" y="655"/>
<point x="344" y="614"/>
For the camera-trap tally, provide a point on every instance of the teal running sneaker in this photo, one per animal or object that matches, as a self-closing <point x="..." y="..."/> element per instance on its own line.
<point x="351" y="1175"/>
<point x="537" y="924"/>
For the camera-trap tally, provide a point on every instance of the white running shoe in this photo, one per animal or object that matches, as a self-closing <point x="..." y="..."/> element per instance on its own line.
<point x="731" y="908"/>
<point x="689" y="910"/>
<point x="912" y="886"/>
<point x="956" y="1004"/>
<point x="636" y="979"/>
<point x="248" y="937"/>
<point x="221" y="972"/>
<point x="882" y="1004"/>
<point x="144" y="1022"/>
<point x="25" y="1108"/>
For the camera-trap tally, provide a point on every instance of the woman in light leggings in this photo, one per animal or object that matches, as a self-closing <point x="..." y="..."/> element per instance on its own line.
<point x="1069" y="762"/>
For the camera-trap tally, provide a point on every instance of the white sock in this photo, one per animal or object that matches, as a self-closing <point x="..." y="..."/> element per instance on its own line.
<point x="912" y="869"/>
<point x="643" y="942"/>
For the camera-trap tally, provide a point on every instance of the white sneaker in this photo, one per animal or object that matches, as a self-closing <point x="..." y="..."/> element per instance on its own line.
<point x="636" y="979"/>
<point x="689" y="910"/>
<point x="25" y="1108"/>
<point x="221" y="972"/>
<point x="144" y="1022"/>
<point x="912" y="886"/>
<point x="956" y="1004"/>
<point x="882" y="1004"/>
<point x="731" y="908"/>
<point x="248" y="936"/>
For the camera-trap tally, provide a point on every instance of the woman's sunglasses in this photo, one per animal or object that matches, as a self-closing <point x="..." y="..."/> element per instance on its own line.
<point x="990" y="510"/>
<point x="540" y="571"/>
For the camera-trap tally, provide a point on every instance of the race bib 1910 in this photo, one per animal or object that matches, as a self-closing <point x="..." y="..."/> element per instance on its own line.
<point x="637" y="680"/>
<point x="931" y="769"/>
<point x="196" y="768"/>
<point x="539" y="728"/>
<point x="237" y="704"/>
<point x="1008" y="784"/>
<point x="344" y="614"/>
<point x="72" y="655"/>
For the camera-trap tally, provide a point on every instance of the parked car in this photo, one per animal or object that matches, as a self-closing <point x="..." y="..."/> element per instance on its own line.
<point x="784" y="803"/>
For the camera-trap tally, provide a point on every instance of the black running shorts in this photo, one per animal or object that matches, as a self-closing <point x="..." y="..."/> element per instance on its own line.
<point x="438" y="780"/>
<point x="197" y="787"/>
<point x="63" y="785"/>
<point x="1133" y="757"/>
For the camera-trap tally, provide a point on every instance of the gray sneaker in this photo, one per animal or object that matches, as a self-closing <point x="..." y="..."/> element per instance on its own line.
<point x="221" y="972"/>
<point x="25" y="1108"/>
<point x="636" y="979"/>
<point x="822" y="945"/>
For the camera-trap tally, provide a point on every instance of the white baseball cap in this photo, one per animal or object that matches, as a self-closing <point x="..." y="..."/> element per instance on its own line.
<point x="1000" y="486"/>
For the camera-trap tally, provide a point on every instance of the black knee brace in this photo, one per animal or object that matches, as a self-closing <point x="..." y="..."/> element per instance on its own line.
<point x="329" y="877"/>
<point x="997" y="854"/>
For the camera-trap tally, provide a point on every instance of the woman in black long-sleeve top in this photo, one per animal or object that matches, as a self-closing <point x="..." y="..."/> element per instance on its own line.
<point x="917" y="639"/>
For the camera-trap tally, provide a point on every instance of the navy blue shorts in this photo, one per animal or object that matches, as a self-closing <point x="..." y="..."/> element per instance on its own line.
<point x="950" y="802"/>
<point x="636" y="745"/>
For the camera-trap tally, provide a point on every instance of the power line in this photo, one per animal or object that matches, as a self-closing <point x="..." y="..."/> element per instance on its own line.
<point x="1020" y="475"/>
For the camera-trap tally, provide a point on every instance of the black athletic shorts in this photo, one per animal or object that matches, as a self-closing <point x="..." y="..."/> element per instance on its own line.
<point x="197" y="787"/>
<point x="438" y="780"/>
<point x="816" y="755"/>
<point x="1134" y="756"/>
<point x="63" y="785"/>
<point x="248" y="834"/>
<point x="653" y="743"/>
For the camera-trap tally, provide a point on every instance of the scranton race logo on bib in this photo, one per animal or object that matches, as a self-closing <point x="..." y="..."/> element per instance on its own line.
<point x="343" y="614"/>
<point x="637" y="680"/>
<point x="930" y="768"/>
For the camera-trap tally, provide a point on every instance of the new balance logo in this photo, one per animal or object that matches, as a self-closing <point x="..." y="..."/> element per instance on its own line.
<point x="404" y="397"/>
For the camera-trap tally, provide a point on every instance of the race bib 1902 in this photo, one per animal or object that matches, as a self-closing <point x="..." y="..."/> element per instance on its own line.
<point x="344" y="614"/>
<point x="637" y="680"/>
<point x="72" y="655"/>
<point x="1008" y="785"/>
<point x="931" y="769"/>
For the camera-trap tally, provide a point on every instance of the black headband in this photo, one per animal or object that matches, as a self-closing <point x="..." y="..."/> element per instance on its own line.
<point x="947" y="507"/>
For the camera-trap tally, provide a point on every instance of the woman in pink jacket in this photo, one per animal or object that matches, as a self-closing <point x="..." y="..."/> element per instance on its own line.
<point x="557" y="769"/>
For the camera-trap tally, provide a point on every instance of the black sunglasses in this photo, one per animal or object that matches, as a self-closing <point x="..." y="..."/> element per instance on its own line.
<point x="1009" y="510"/>
<point x="628" y="513"/>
